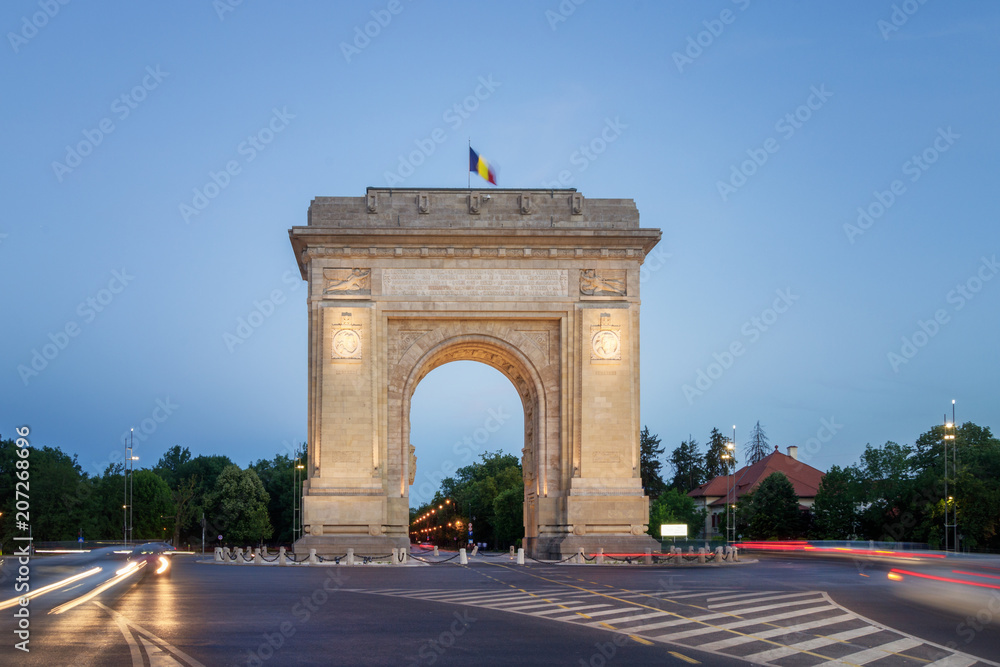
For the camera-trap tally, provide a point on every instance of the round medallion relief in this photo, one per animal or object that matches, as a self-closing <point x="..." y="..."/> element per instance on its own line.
<point x="606" y="344"/>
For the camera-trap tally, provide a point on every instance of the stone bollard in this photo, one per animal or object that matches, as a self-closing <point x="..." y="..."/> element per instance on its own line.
<point x="475" y="550"/>
<point x="647" y="557"/>
<point x="718" y="554"/>
<point x="512" y="552"/>
<point x="350" y="556"/>
<point x="263" y="551"/>
<point x="436" y="552"/>
<point x="580" y="557"/>
<point x="282" y="560"/>
<point x="312" y="557"/>
<point x="237" y="556"/>
<point x="736" y="554"/>
<point x="600" y="556"/>
<point x="701" y="554"/>
<point x="462" y="558"/>
<point x="393" y="558"/>
<point x="218" y="554"/>
<point x="520" y="556"/>
<point x="257" y="560"/>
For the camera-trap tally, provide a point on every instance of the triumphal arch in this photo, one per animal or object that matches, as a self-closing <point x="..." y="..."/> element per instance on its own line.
<point x="542" y="285"/>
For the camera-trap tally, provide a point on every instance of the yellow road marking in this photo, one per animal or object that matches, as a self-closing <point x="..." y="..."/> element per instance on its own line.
<point x="641" y="640"/>
<point x="580" y="613"/>
<point x="684" y="657"/>
<point x="609" y="627"/>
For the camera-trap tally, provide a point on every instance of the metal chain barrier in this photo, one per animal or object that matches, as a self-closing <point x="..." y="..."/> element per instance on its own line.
<point x="328" y="559"/>
<point x="571" y="556"/>
<point x="270" y="560"/>
<point x="368" y="559"/>
<point x="435" y="562"/>
<point x="627" y="559"/>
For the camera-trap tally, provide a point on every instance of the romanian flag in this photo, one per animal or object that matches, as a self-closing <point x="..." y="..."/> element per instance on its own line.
<point x="479" y="165"/>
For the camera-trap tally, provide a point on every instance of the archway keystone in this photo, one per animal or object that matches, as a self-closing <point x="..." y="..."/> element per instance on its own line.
<point x="403" y="281"/>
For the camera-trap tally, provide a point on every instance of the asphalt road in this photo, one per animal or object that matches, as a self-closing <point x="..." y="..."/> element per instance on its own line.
<point x="783" y="610"/>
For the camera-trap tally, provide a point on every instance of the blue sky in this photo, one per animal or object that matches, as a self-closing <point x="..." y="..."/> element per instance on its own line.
<point x="751" y="133"/>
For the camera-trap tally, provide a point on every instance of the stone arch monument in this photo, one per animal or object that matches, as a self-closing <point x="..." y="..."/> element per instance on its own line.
<point x="542" y="285"/>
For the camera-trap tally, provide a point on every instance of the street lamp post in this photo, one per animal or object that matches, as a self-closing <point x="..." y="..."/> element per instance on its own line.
<point x="127" y="473"/>
<point x="297" y="502"/>
<point x="950" y="506"/>
<point x="731" y="491"/>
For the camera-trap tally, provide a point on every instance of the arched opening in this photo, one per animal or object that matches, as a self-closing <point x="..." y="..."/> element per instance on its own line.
<point x="458" y="412"/>
<point x="518" y="370"/>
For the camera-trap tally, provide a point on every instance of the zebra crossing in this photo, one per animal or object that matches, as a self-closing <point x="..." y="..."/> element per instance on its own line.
<point x="766" y="628"/>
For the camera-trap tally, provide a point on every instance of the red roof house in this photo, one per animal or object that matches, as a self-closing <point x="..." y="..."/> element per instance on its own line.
<point x="714" y="494"/>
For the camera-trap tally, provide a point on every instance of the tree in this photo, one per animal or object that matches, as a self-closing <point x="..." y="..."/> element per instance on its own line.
<point x="58" y="489"/>
<point x="240" y="504"/>
<point x="508" y="513"/>
<point x="485" y="493"/>
<point x="674" y="506"/>
<point x="152" y="506"/>
<point x="835" y="513"/>
<point x="171" y="466"/>
<point x="278" y="477"/>
<point x="772" y="510"/>
<point x="757" y="446"/>
<point x="887" y="493"/>
<point x="715" y="465"/>
<point x="687" y="463"/>
<point x="650" y="451"/>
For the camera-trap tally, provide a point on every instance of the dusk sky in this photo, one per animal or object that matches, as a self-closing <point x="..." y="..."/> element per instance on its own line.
<point x="821" y="173"/>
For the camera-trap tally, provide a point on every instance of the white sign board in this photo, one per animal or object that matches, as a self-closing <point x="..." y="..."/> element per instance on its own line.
<point x="673" y="530"/>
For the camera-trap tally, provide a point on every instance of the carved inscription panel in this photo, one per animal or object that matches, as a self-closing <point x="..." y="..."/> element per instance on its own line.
<point x="475" y="282"/>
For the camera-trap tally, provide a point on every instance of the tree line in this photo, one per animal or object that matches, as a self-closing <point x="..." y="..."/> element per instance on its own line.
<point x="894" y="493"/>
<point x="244" y="505"/>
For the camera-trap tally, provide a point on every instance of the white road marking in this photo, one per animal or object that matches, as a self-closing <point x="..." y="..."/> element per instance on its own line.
<point x="786" y="596"/>
<point x="157" y="656"/>
<point x="766" y="634"/>
<point x="792" y="649"/>
<point x="877" y="653"/>
<point x="956" y="660"/>
<point x="126" y="626"/>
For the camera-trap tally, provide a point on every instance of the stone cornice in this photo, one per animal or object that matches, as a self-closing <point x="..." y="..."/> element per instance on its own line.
<point x="609" y="244"/>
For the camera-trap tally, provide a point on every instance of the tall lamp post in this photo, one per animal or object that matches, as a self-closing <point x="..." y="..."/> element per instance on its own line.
<point x="731" y="490"/>
<point x="297" y="502"/>
<point x="129" y="467"/>
<point x="950" y="507"/>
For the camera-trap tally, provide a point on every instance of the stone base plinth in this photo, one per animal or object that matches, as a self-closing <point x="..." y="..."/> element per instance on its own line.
<point x="560" y="547"/>
<point x="363" y="545"/>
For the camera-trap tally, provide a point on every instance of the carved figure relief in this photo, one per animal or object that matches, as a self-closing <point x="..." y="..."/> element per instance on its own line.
<point x="606" y="283"/>
<point x="347" y="339"/>
<point x="605" y="340"/>
<point x="413" y="464"/>
<point x="347" y="281"/>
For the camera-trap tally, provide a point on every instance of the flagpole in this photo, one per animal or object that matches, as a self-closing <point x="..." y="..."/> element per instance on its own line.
<point x="469" y="174"/>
